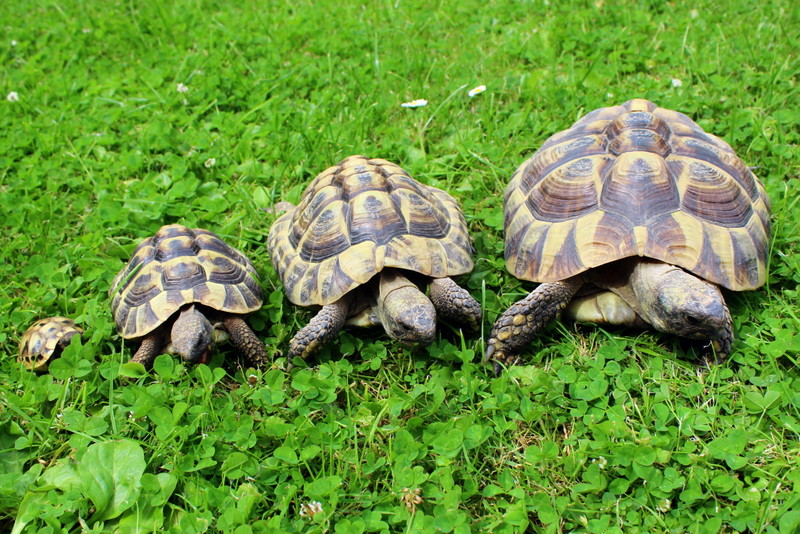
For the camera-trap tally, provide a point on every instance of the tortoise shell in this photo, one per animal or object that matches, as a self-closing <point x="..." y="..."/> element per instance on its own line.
<point x="359" y="217"/>
<point x="43" y="341"/>
<point x="637" y="180"/>
<point x="180" y="266"/>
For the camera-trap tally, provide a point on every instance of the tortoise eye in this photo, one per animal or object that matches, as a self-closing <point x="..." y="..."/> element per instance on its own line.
<point x="692" y="320"/>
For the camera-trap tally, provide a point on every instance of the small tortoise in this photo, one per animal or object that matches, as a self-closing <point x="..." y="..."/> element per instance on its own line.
<point x="363" y="243"/>
<point x="184" y="289"/>
<point x="640" y="204"/>
<point x="44" y="340"/>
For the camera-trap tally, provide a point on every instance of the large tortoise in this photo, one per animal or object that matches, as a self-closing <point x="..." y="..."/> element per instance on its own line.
<point x="653" y="213"/>
<point x="184" y="289"/>
<point x="44" y="341"/>
<point x="363" y="243"/>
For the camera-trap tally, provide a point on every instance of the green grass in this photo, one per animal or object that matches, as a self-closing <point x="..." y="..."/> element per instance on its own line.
<point x="604" y="431"/>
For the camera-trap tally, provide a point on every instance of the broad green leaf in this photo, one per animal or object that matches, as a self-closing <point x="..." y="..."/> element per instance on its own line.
<point x="164" y="366"/>
<point x="789" y="522"/>
<point x="286" y="454"/>
<point x="110" y="476"/>
<point x="322" y="487"/>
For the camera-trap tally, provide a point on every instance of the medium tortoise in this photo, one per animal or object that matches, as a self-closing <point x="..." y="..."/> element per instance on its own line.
<point x="641" y="204"/>
<point x="184" y="289"/>
<point x="44" y="340"/>
<point x="363" y="243"/>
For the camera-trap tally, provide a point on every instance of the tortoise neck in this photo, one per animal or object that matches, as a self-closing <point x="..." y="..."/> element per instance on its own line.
<point x="392" y="279"/>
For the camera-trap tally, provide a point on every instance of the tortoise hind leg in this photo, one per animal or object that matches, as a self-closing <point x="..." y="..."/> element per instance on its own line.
<point x="517" y="326"/>
<point x="245" y="340"/>
<point x="151" y="347"/>
<point x="320" y="329"/>
<point x="455" y="303"/>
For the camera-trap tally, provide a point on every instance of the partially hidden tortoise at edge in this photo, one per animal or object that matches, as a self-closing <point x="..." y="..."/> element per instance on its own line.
<point x="183" y="290"/>
<point x="44" y="340"/>
<point x="364" y="242"/>
<point x="648" y="212"/>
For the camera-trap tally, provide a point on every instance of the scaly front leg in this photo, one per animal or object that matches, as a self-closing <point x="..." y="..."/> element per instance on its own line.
<point x="518" y="325"/>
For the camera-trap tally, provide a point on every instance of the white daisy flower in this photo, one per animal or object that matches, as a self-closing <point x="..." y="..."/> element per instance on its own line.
<point x="13" y="96"/>
<point x="476" y="90"/>
<point x="676" y="82"/>
<point x="420" y="102"/>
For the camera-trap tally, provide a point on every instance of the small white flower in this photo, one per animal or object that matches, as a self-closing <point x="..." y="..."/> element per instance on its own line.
<point x="210" y="162"/>
<point x="310" y="509"/>
<point x="609" y="95"/>
<point x="86" y="30"/>
<point x="420" y="102"/>
<point x="664" y="506"/>
<point x="12" y="96"/>
<point x="676" y="82"/>
<point x="694" y="13"/>
<point x="13" y="43"/>
<point x="476" y="91"/>
<point x="602" y="462"/>
<point x="182" y="88"/>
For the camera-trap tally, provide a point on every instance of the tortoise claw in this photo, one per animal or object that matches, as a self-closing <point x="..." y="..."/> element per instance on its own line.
<point x="498" y="368"/>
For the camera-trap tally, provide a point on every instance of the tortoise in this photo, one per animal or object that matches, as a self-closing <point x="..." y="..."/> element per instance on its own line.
<point x="44" y="340"/>
<point x="653" y="214"/>
<point x="363" y="243"/>
<point x="182" y="290"/>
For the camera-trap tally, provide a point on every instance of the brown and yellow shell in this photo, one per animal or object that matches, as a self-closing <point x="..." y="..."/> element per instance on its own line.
<point x="180" y="266"/>
<point x="43" y="341"/>
<point x="637" y="180"/>
<point x="359" y="217"/>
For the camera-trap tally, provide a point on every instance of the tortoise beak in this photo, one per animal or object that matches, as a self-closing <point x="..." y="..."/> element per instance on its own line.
<point x="205" y="357"/>
<point x="192" y="336"/>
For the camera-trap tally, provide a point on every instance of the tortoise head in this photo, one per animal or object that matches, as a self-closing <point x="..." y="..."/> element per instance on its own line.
<point x="695" y="311"/>
<point x="192" y="336"/>
<point x="406" y="313"/>
<point x="685" y="305"/>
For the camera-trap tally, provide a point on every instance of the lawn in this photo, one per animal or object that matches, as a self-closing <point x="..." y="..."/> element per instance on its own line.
<point x="120" y="116"/>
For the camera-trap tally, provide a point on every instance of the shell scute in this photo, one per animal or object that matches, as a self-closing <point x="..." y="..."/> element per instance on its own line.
<point x="574" y="184"/>
<point x="639" y="188"/>
<point x="178" y="273"/>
